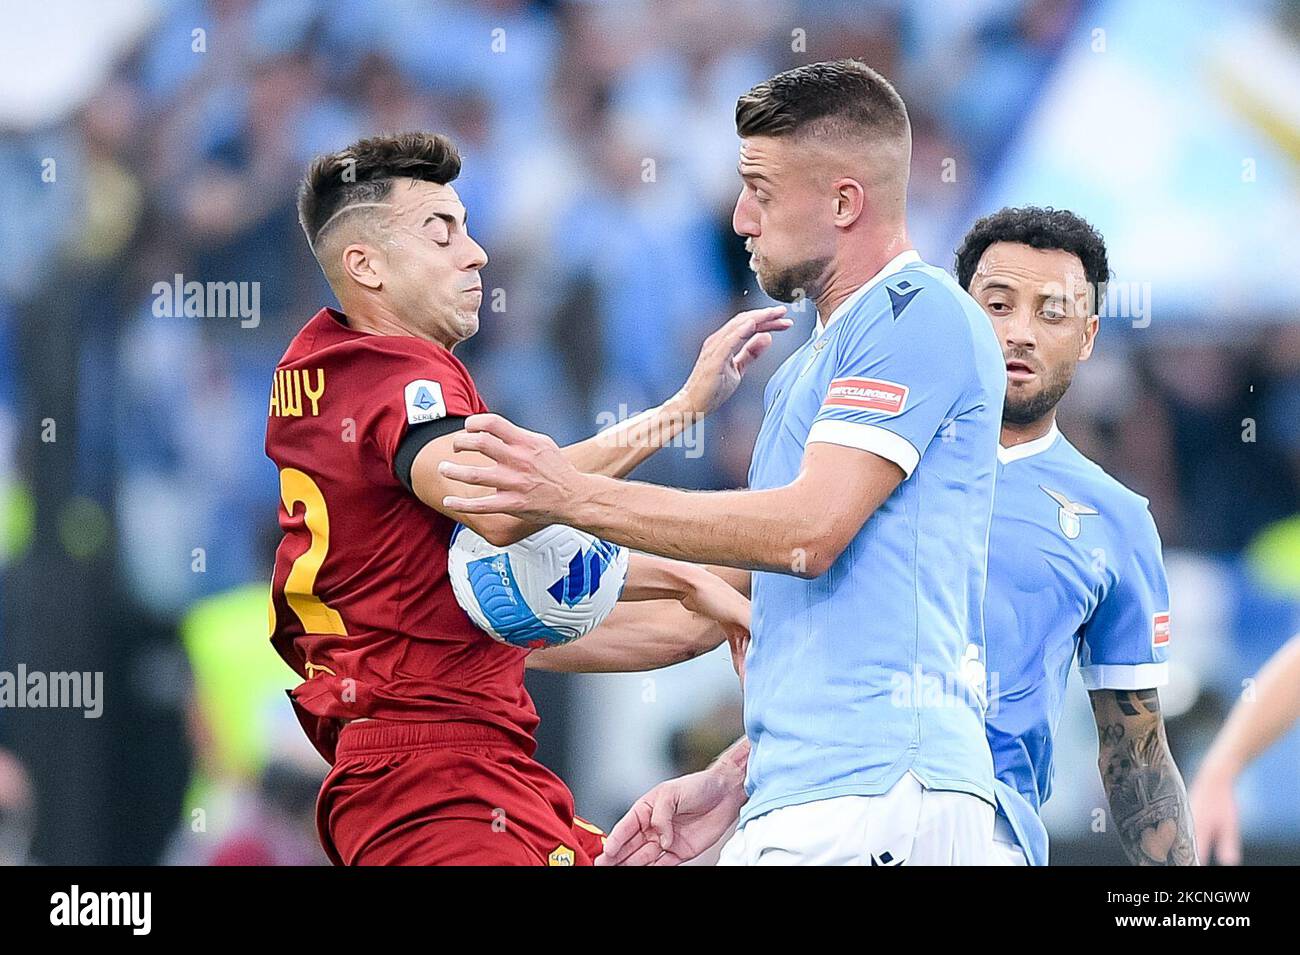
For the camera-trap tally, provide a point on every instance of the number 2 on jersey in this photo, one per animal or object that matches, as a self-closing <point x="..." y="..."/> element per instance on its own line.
<point x="299" y="587"/>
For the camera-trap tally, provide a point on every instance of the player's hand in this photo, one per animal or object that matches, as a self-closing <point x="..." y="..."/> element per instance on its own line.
<point x="532" y="478"/>
<point x="676" y="821"/>
<point x="1214" y="813"/>
<point x="726" y="354"/>
<point x="718" y="600"/>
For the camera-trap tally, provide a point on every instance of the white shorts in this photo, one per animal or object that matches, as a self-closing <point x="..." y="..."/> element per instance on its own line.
<point x="1006" y="849"/>
<point x="909" y="825"/>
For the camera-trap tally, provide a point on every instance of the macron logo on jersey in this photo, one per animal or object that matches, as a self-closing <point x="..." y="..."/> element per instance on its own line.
<point x="424" y="401"/>
<point x="1160" y="630"/>
<point x="874" y="394"/>
<point x="901" y="296"/>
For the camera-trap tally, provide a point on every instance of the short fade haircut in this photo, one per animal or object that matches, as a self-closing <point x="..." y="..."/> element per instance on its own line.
<point x="364" y="173"/>
<point x="1052" y="230"/>
<point x="831" y="98"/>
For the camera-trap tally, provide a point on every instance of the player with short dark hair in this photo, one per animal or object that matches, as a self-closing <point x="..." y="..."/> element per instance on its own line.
<point x="836" y="98"/>
<point x="865" y="526"/>
<point x="1075" y="572"/>
<point x="423" y="717"/>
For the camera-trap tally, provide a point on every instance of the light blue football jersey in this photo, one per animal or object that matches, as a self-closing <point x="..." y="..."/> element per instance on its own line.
<point x="1074" y="570"/>
<point x="876" y="667"/>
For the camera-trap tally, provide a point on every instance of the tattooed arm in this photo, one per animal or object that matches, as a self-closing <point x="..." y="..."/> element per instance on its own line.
<point x="1143" y="786"/>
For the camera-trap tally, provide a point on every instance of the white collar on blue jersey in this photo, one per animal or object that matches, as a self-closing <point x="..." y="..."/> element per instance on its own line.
<point x="892" y="266"/>
<point x="1029" y="448"/>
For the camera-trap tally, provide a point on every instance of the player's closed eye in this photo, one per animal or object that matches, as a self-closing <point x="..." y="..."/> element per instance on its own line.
<point x="440" y="229"/>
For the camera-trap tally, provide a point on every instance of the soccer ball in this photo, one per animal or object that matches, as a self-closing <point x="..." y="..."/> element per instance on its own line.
<point x="546" y="590"/>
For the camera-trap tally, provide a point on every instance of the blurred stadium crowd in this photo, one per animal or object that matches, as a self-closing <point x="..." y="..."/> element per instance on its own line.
<point x="599" y="175"/>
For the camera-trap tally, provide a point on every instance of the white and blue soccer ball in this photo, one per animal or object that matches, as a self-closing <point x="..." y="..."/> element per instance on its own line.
<point x="546" y="590"/>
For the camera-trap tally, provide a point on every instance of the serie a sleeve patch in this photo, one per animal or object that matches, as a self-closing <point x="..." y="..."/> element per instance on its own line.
<point x="423" y="400"/>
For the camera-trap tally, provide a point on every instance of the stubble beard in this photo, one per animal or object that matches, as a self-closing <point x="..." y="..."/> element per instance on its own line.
<point x="791" y="284"/>
<point x="1021" y="411"/>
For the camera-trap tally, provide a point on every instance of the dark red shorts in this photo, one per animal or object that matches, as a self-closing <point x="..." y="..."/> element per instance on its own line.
<point x="446" y="794"/>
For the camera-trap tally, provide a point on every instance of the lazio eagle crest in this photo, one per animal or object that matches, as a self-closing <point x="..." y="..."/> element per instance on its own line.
<point x="1068" y="513"/>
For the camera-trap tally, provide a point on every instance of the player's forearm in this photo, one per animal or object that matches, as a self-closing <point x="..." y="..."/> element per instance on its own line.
<point x="616" y="451"/>
<point x="733" y="762"/>
<point x="1261" y="716"/>
<point x="658" y="578"/>
<point x="430" y="487"/>
<point x="740" y="580"/>
<point x="753" y="530"/>
<point x="644" y="635"/>
<point x="729" y="769"/>
<point x="1143" y="786"/>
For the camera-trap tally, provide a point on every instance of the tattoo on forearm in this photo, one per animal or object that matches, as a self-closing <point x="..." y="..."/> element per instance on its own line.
<point x="1137" y="702"/>
<point x="1145" y="790"/>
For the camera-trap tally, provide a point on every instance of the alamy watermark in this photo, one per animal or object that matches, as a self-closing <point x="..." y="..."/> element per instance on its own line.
<point x="36" y="689"/>
<point x="652" y="429"/>
<point x="1130" y="301"/>
<point x="181" y="299"/>
<point x="133" y="910"/>
<point x="970" y="687"/>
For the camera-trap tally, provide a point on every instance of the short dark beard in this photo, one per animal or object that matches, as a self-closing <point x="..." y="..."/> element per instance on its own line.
<point x="802" y="281"/>
<point x="1028" y="410"/>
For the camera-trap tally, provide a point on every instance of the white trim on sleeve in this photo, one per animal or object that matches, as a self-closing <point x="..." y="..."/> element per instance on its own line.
<point x="1120" y="676"/>
<point x="867" y="437"/>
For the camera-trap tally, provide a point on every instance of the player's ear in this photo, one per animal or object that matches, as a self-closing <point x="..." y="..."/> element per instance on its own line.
<point x="360" y="265"/>
<point x="1090" y="329"/>
<point x="849" y="201"/>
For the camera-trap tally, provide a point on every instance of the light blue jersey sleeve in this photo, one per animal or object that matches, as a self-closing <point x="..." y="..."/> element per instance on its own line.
<point x="1125" y="645"/>
<point x="896" y="383"/>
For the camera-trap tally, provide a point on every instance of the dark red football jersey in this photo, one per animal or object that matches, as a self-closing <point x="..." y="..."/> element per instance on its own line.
<point x="361" y="606"/>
